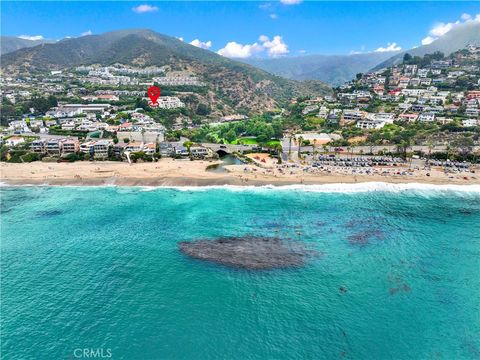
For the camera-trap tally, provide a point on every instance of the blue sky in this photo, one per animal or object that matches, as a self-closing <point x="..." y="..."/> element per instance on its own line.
<point x="249" y="28"/>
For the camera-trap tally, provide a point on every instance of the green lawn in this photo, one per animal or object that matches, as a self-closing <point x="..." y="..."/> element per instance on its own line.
<point x="254" y="141"/>
<point x="247" y="141"/>
<point x="273" y="142"/>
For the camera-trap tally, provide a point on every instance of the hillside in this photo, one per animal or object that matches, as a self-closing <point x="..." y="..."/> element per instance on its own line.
<point x="9" y="44"/>
<point x="456" y="39"/>
<point x="231" y="83"/>
<point x="332" y="69"/>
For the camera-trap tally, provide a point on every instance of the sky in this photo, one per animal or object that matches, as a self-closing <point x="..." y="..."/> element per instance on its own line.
<point x="250" y="28"/>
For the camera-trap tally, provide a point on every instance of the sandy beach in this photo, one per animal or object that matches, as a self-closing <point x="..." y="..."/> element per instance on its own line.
<point x="169" y="172"/>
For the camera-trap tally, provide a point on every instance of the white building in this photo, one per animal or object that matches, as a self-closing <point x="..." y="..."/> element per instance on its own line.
<point x="14" y="141"/>
<point x="426" y="117"/>
<point x="169" y="102"/>
<point x="470" y="122"/>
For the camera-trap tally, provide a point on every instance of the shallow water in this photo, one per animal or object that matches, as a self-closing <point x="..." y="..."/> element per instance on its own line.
<point x="99" y="267"/>
<point x="226" y="160"/>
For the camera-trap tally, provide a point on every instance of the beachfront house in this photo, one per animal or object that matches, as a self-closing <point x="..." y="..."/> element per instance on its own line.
<point x="134" y="147"/>
<point x="87" y="147"/>
<point x="70" y="146"/>
<point x="100" y="149"/>
<point x="166" y="149"/>
<point x="38" y="146"/>
<point x="200" y="152"/>
<point x="53" y="147"/>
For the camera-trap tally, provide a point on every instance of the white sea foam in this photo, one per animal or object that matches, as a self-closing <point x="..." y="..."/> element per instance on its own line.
<point x="320" y="188"/>
<point x="330" y="188"/>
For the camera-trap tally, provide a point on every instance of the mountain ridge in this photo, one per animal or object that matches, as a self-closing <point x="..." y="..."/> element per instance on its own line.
<point x="12" y="43"/>
<point x="456" y="39"/>
<point x="332" y="69"/>
<point x="230" y="79"/>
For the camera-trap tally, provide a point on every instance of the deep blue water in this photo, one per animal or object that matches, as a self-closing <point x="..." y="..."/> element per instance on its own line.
<point x="92" y="267"/>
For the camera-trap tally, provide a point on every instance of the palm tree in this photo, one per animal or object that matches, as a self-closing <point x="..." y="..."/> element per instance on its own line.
<point x="448" y="148"/>
<point x="349" y="151"/>
<point x="188" y="145"/>
<point x="278" y="149"/>
<point x="290" y="138"/>
<point x="430" y="146"/>
<point x="300" y="143"/>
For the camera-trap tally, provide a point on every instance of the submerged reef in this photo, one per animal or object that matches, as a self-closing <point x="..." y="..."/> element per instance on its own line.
<point x="249" y="252"/>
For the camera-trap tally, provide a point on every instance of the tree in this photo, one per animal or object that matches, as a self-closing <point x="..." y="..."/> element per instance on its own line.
<point x="7" y="111"/>
<point x="203" y="109"/>
<point x="126" y="140"/>
<point x="464" y="145"/>
<point x="141" y="103"/>
<point x="290" y="145"/>
<point x="230" y="135"/>
<point x="41" y="104"/>
<point x="278" y="149"/>
<point x="430" y="146"/>
<point x="52" y="101"/>
<point x="300" y="143"/>
<point x="406" y="58"/>
<point x="188" y="145"/>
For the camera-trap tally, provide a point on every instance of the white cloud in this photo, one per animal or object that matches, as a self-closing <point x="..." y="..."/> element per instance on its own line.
<point x="440" y="29"/>
<point x="201" y="44"/>
<point x="274" y="48"/>
<point x="428" y="40"/>
<point x="31" y="37"/>
<point x="302" y="51"/>
<point x="273" y="16"/>
<point x="180" y="38"/>
<point x="291" y="2"/>
<point x="236" y="50"/>
<point x="140" y="9"/>
<point x="263" y="38"/>
<point x="390" y="47"/>
<point x="86" y="33"/>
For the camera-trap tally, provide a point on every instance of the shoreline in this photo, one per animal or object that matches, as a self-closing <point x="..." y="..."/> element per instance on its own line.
<point x="175" y="173"/>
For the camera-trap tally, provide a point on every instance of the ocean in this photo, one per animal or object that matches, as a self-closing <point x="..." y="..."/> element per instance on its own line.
<point x="97" y="271"/>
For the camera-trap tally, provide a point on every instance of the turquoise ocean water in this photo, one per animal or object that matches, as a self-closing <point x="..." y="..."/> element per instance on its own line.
<point x="99" y="268"/>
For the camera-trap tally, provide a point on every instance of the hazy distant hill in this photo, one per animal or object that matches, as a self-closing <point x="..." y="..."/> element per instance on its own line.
<point x="11" y="43"/>
<point x="234" y="84"/>
<point x="456" y="39"/>
<point x="332" y="69"/>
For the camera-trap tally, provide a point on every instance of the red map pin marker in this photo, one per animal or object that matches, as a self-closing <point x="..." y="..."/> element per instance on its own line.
<point x="153" y="93"/>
